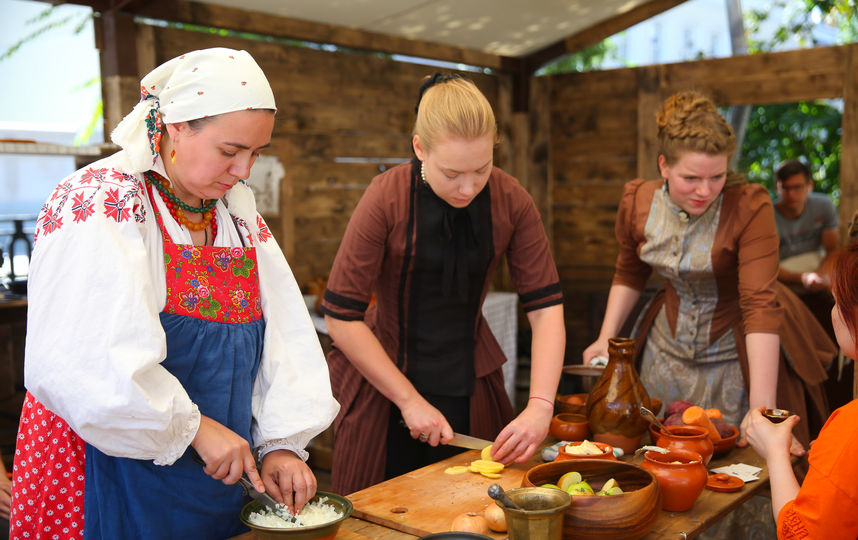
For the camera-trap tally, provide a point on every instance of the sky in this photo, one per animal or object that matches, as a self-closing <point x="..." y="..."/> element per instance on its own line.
<point x="43" y="79"/>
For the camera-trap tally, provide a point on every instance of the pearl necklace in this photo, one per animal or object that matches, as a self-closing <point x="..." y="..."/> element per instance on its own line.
<point x="177" y="207"/>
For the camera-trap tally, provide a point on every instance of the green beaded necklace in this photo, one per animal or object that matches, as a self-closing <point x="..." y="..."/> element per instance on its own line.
<point x="167" y="192"/>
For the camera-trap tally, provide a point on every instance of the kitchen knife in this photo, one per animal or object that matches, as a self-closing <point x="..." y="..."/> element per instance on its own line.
<point x="462" y="441"/>
<point x="466" y="441"/>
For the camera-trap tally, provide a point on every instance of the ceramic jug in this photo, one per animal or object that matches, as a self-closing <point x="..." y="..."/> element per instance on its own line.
<point x="613" y="405"/>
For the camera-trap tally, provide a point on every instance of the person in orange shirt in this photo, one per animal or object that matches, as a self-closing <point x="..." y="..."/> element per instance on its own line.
<point x="826" y="504"/>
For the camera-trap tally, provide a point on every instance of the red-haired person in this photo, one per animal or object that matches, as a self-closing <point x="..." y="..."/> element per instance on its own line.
<point x="826" y="503"/>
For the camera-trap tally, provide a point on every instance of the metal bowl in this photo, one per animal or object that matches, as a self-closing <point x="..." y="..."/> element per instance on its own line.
<point x="316" y="532"/>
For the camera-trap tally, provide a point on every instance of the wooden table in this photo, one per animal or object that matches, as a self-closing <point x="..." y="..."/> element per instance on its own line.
<point x="709" y="508"/>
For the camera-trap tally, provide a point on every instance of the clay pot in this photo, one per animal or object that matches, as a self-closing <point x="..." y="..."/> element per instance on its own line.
<point x="608" y="454"/>
<point x="614" y="402"/>
<point x="569" y="427"/>
<point x="629" y="515"/>
<point x="681" y="483"/>
<point x="570" y="403"/>
<point x="694" y="438"/>
<point x="726" y="444"/>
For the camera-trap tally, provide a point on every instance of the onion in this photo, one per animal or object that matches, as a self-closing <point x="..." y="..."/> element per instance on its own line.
<point x="495" y="518"/>
<point x="470" y="522"/>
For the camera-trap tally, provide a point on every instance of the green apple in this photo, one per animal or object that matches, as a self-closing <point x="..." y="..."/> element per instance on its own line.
<point x="581" y="488"/>
<point x="610" y="488"/>
<point x="555" y="486"/>
<point x="572" y="477"/>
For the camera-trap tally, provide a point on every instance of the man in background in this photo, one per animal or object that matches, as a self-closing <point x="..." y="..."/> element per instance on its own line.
<point x="809" y="239"/>
<point x="807" y="226"/>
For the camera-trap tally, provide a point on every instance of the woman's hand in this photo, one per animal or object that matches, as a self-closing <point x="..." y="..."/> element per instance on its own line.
<point x="288" y="479"/>
<point x="768" y="438"/>
<point x="598" y="348"/>
<point x="425" y="422"/>
<point x="520" y="438"/>
<point x="227" y="454"/>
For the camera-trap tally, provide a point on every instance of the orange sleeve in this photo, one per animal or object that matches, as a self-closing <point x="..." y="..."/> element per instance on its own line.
<point x="827" y="503"/>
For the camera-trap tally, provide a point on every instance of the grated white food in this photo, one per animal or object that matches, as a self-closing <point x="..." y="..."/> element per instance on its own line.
<point x="314" y="513"/>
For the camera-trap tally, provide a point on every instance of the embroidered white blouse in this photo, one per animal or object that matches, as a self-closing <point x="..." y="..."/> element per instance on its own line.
<point x="95" y="343"/>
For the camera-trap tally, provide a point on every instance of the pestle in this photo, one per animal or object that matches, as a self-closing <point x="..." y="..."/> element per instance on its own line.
<point x="497" y="493"/>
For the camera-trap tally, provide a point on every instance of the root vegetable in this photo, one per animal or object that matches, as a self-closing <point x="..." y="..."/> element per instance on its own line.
<point x="495" y="518"/>
<point x="470" y="522"/>
<point x="696" y="416"/>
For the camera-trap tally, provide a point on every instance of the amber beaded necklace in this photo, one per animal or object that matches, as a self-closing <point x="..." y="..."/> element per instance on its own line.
<point x="177" y="208"/>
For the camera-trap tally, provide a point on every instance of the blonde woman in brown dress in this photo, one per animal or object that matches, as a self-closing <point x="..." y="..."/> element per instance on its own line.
<point x="721" y="332"/>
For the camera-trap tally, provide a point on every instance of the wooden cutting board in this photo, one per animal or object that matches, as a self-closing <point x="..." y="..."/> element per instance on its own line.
<point x="426" y="501"/>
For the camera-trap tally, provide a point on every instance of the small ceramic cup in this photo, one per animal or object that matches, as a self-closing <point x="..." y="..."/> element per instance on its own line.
<point x="569" y="427"/>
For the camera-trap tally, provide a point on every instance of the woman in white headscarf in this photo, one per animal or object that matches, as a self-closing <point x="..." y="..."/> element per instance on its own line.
<point x="164" y="320"/>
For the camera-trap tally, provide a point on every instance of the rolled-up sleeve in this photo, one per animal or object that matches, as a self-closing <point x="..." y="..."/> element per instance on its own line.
<point x="531" y="266"/>
<point x="359" y="259"/>
<point x="758" y="264"/>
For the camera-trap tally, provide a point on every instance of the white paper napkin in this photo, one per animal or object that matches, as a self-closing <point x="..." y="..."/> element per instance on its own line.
<point x="747" y="473"/>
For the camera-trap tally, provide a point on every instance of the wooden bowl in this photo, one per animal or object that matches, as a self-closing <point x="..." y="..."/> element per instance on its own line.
<point x="630" y="515"/>
<point x="726" y="444"/>
<point x="325" y="531"/>
<point x="608" y="453"/>
<point x="570" y="403"/>
<point x="569" y="427"/>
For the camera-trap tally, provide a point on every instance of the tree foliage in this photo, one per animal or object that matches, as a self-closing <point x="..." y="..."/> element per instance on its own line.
<point x="584" y="60"/>
<point x="799" y="20"/>
<point x="807" y="131"/>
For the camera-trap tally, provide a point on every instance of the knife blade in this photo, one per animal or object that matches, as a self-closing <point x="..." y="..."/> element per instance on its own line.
<point x="466" y="441"/>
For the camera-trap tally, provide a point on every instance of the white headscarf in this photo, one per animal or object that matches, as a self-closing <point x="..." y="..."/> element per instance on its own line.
<point x="195" y="85"/>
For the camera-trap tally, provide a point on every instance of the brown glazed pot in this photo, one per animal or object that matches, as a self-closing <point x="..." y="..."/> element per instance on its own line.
<point x="614" y="402"/>
<point x="628" y="516"/>
<point x="680" y="483"/>
<point x="694" y="438"/>
<point x="569" y="427"/>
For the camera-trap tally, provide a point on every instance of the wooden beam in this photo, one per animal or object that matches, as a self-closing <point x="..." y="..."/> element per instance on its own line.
<point x="649" y="99"/>
<point x="597" y="32"/>
<point x="116" y="40"/>
<point x="849" y="143"/>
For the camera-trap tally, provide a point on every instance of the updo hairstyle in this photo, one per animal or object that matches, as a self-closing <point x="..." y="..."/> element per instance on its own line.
<point x="689" y="122"/>
<point x="452" y="106"/>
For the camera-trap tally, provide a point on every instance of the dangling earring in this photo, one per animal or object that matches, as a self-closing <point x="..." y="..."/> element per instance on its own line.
<point x="173" y="156"/>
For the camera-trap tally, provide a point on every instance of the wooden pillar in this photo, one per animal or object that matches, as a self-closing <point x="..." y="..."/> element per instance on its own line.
<point x="538" y="160"/>
<point x="849" y="155"/>
<point x="649" y="99"/>
<point x="116" y="39"/>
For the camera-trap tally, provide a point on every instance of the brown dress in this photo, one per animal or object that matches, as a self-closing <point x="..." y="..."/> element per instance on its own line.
<point x="720" y="271"/>
<point x="377" y="255"/>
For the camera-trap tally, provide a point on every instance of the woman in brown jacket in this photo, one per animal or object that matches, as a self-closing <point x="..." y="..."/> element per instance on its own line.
<point x="715" y="333"/>
<point x="425" y="238"/>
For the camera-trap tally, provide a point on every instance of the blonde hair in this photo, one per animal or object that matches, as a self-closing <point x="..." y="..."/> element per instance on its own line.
<point x="689" y="122"/>
<point x="453" y="106"/>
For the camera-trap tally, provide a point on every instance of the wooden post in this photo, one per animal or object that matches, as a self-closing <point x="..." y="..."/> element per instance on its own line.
<point x="540" y="173"/>
<point x="849" y="156"/>
<point x="649" y="99"/>
<point x="116" y="39"/>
